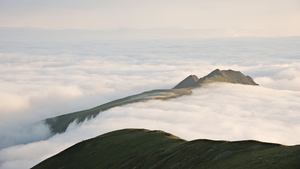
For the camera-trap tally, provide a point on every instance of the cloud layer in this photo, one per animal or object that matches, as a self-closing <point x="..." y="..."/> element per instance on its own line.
<point x="45" y="79"/>
<point x="219" y="111"/>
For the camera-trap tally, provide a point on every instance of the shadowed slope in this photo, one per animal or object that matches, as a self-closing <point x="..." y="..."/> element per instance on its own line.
<point x="140" y="148"/>
<point x="190" y="81"/>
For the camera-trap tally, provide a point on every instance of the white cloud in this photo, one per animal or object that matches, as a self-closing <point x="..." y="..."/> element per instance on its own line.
<point x="227" y="112"/>
<point x="48" y="79"/>
<point x="22" y="133"/>
<point x="219" y="111"/>
<point x="286" y="79"/>
<point x="44" y="79"/>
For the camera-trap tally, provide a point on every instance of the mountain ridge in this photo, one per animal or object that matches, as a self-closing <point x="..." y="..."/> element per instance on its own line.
<point x="59" y="124"/>
<point x="142" y="148"/>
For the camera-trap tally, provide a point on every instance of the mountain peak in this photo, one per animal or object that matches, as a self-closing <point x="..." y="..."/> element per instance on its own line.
<point x="229" y="76"/>
<point x="215" y="73"/>
<point x="189" y="81"/>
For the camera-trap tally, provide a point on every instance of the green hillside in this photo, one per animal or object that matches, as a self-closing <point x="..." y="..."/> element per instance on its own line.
<point x="140" y="148"/>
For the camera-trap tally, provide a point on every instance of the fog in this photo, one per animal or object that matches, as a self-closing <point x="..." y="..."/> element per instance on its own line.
<point x="45" y="79"/>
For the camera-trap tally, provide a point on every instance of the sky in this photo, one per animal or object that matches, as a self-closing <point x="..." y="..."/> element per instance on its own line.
<point x="45" y="79"/>
<point x="267" y="18"/>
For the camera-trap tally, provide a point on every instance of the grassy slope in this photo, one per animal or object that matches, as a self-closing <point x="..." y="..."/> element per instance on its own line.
<point x="59" y="124"/>
<point x="139" y="148"/>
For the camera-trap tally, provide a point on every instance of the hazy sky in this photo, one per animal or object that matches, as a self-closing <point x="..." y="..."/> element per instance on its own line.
<point x="256" y="17"/>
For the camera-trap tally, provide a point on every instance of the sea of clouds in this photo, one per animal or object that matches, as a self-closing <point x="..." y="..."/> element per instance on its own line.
<point x="45" y="79"/>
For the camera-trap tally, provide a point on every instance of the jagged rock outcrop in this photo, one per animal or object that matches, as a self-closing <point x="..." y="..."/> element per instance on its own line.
<point x="229" y="76"/>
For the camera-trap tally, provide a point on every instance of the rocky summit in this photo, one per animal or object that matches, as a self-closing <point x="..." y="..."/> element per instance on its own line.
<point x="229" y="76"/>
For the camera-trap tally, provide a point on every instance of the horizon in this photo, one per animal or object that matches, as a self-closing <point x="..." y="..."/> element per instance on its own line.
<point x="155" y="33"/>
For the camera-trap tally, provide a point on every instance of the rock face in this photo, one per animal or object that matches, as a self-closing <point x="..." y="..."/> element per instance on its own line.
<point x="190" y="81"/>
<point x="229" y="76"/>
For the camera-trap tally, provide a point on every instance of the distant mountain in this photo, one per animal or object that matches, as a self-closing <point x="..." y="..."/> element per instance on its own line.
<point x="217" y="75"/>
<point x="140" y="148"/>
<point x="59" y="124"/>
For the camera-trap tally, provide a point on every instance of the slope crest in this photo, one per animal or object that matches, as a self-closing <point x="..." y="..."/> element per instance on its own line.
<point x="189" y="81"/>
<point x="140" y="148"/>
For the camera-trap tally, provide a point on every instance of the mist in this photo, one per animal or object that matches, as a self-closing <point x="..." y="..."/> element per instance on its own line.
<point x="45" y="79"/>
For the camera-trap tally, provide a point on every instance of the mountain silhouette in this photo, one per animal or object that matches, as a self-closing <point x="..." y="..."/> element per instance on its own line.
<point x="141" y="148"/>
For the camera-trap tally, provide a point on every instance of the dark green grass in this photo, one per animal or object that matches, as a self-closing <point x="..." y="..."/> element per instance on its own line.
<point x="140" y="148"/>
